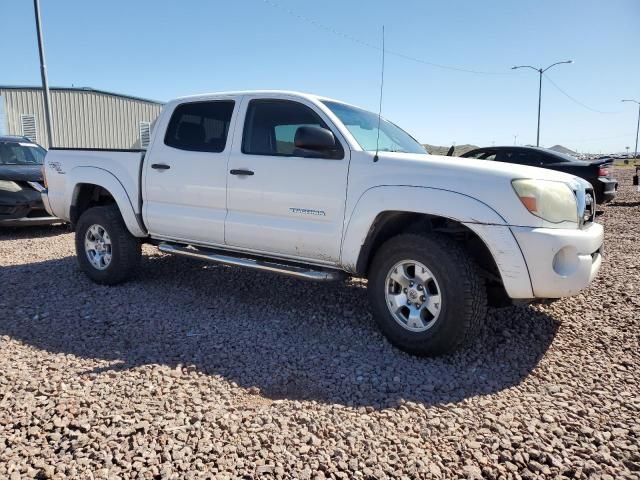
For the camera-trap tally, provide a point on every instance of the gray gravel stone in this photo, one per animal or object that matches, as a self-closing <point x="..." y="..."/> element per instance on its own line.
<point x="178" y="375"/>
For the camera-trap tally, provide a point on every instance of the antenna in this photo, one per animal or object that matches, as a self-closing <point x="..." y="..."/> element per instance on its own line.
<point x="375" y="157"/>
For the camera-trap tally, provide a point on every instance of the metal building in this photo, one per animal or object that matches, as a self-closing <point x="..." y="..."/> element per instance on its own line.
<point x="82" y="117"/>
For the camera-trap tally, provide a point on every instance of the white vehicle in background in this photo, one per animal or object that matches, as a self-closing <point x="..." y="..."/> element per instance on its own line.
<point x="292" y="183"/>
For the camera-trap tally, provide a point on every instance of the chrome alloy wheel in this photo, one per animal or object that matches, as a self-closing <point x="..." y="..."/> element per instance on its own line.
<point x="413" y="295"/>
<point x="97" y="245"/>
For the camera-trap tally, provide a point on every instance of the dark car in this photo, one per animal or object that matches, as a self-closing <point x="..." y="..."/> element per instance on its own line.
<point x="21" y="183"/>
<point x="596" y="172"/>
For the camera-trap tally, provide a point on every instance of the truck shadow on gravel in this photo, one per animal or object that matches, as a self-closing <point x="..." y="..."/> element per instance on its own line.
<point x="282" y="338"/>
<point x="18" y="233"/>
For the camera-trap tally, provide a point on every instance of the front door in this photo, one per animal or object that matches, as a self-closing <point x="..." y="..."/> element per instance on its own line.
<point x="283" y="200"/>
<point x="186" y="173"/>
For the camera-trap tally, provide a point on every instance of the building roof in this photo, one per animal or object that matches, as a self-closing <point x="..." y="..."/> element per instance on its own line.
<point x="79" y="89"/>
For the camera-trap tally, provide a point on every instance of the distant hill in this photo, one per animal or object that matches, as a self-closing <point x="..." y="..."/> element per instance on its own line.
<point x="462" y="149"/>
<point x="561" y="149"/>
<point x="459" y="150"/>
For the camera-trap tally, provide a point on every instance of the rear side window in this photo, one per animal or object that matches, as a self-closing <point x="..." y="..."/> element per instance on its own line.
<point x="200" y="126"/>
<point x="548" y="159"/>
<point x="270" y="127"/>
<point x="521" y="157"/>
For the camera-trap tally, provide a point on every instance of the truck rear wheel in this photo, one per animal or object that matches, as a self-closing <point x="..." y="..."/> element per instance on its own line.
<point x="427" y="295"/>
<point x="106" y="250"/>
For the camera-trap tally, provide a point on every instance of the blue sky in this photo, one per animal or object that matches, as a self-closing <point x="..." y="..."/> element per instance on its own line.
<point x="162" y="49"/>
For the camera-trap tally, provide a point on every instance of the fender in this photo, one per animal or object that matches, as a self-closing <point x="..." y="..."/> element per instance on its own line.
<point x="485" y="222"/>
<point x="106" y="180"/>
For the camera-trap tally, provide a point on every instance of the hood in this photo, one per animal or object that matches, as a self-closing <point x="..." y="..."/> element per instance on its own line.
<point x="484" y="180"/>
<point x="24" y="173"/>
<point x="475" y="169"/>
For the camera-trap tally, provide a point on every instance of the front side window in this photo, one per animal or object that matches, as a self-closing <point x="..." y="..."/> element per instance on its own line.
<point x="200" y="126"/>
<point x="363" y="125"/>
<point x="271" y="126"/>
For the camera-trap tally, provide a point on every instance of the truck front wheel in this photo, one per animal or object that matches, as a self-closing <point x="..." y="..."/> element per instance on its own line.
<point x="427" y="295"/>
<point x="106" y="250"/>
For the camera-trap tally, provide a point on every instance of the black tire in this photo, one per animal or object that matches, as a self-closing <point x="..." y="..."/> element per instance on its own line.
<point x="126" y="250"/>
<point x="462" y="291"/>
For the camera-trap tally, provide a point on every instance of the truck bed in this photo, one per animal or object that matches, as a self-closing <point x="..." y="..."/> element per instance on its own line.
<point x="64" y="167"/>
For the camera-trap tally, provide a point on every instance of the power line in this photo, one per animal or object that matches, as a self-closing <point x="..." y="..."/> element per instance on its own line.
<point x="359" y="41"/>
<point x="576" y="100"/>
<point x="363" y="43"/>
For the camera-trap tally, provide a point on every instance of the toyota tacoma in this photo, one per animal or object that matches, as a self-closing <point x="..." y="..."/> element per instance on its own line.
<point x="319" y="189"/>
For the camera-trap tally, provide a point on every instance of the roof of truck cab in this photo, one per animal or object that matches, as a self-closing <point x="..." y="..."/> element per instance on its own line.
<point x="291" y="93"/>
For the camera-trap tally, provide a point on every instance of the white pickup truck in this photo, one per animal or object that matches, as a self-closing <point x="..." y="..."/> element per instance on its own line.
<point x="316" y="188"/>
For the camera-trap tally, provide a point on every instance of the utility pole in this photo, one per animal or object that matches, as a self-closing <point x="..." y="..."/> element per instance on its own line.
<point x="43" y="73"/>
<point x="540" y="73"/>
<point x="635" y="155"/>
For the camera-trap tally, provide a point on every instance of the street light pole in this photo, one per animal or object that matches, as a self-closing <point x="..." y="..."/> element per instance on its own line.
<point x="43" y="73"/>
<point x="539" y="105"/>
<point x="635" y="155"/>
<point x="540" y="72"/>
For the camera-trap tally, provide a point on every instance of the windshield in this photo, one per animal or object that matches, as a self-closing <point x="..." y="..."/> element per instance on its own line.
<point x="363" y="126"/>
<point x="21" y="153"/>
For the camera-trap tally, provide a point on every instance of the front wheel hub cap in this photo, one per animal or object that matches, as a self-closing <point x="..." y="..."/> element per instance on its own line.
<point x="413" y="295"/>
<point x="97" y="246"/>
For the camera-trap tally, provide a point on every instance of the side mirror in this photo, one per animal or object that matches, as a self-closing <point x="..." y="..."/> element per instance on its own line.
<point x="452" y="149"/>
<point x="317" y="140"/>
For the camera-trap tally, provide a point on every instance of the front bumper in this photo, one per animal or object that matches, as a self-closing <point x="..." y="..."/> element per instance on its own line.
<point x="24" y="208"/>
<point x="606" y="190"/>
<point x="561" y="262"/>
<point x="44" y="195"/>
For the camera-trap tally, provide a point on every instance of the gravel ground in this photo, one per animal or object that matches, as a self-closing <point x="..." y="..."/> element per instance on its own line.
<point x="202" y="371"/>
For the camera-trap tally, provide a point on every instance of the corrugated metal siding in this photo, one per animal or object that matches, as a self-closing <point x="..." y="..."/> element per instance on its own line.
<point x="81" y="118"/>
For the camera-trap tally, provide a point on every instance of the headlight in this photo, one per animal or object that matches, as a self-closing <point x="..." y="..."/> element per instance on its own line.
<point x="9" y="186"/>
<point x="552" y="201"/>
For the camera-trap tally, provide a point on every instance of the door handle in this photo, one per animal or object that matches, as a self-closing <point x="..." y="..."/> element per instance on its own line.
<point x="160" y="166"/>
<point x="240" y="172"/>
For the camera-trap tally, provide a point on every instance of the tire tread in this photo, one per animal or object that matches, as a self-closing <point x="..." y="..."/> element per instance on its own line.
<point x="470" y="281"/>
<point x="125" y="260"/>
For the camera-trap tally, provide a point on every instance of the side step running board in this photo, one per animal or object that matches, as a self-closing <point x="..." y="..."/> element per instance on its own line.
<point x="291" y="270"/>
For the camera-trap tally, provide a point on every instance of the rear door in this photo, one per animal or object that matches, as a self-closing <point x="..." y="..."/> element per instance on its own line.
<point x="185" y="175"/>
<point x="281" y="200"/>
